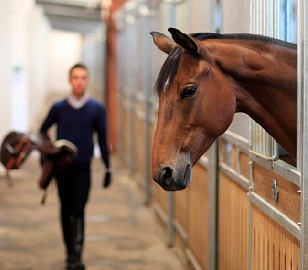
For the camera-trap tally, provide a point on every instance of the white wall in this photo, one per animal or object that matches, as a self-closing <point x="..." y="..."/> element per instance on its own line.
<point x="93" y="55"/>
<point x="15" y="68"/>
<point x="39" y="30"/>
<point x="19" y="25"/>
<point x="63" y="51"/>
<point x="17" y="62"/>
<point x="22" y="46"/>
<point x="5" y="67"/>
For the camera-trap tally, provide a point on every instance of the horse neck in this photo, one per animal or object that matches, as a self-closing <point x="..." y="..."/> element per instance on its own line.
<point x="265" y="83"/>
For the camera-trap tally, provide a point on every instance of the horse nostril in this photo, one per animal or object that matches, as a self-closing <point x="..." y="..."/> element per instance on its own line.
<point x="166" y="174"/>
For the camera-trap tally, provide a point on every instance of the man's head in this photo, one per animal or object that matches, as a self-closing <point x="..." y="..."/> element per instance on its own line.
<point x="78" y="79"/>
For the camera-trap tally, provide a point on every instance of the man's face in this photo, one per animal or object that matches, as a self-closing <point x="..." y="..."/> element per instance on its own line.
<point x="79" y="81"/>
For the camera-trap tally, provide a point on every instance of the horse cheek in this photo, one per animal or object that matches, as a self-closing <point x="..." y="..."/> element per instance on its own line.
<point x="226" y="110"/>
<point x="220" y="112"/>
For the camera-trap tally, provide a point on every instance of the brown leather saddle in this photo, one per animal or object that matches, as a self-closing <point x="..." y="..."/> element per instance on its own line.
<point x="55" y="157"/>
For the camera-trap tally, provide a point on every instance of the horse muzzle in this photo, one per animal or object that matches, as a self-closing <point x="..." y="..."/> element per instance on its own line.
<point x="172" y="178"/>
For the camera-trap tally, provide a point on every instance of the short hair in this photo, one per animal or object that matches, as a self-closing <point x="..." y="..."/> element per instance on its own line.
<point x="78" y="65"/>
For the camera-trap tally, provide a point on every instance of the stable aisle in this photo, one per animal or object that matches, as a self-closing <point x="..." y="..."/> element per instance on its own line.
<point x="121" y="233"/>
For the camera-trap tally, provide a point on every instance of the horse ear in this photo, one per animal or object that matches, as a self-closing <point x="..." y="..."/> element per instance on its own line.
<point x="183" y="40"/>
<point x="163" y="42"/>
<point x="187" y="42"/>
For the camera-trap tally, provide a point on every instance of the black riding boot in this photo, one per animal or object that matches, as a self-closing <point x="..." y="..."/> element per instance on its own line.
<point x="79" y="242"/>
<point x="68" y="237"/>
<point x="77" y="230"/>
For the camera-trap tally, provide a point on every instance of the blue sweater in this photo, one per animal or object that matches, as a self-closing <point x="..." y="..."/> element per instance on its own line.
<point x="78" y="126"/>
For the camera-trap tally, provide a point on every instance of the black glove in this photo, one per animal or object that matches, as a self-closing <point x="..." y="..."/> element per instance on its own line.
<point x="107" y="180"/>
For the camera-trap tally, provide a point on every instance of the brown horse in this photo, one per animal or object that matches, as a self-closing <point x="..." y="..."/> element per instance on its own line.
<point x="205" y="80"/>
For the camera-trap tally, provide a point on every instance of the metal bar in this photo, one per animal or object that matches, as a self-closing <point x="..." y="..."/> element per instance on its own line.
<point x="251" y="188"/>
<point x="287" y="171"/>
<point x="170" y="226"/>
<point x="236" y="177"/>
<point x="148" y="110"/>
<point x="131" y="32"/>
<point x="193" y="262"/>
<point x="170" y="198"/>
<point x="287" y="21"/>
<point x="213" y="207"/>
<point x="302" y="143"/>
<point x="277" y="19"/>
<point x="181" y="231"/>
<point x="240" y="141"/>
<point x="280" y="167"/>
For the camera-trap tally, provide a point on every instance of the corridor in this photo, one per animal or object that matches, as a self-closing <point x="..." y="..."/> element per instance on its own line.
<point x="121" y="233"/>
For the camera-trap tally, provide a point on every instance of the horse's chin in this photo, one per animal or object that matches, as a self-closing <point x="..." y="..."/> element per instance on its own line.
<point x="203" y="148"/>
<point x="195" y="158"/>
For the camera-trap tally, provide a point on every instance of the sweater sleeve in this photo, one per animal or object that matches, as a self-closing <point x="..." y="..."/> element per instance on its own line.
<point x="101" y="129"/>
<point x="50" y="119"/>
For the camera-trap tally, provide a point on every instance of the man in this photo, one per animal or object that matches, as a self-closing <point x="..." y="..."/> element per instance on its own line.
<point x="77" y="117"/>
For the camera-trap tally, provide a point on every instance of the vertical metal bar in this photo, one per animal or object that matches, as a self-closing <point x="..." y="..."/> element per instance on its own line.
<point x="276" y="31"/>
<point x="270" y="11"/>
<point x="266" y="14"/>
<point x="213" y="176"/>
<point x="170" y="198"/>
<point x="287" y="20"/>
<point x="170" y="225"/>
<point x="258" y="18"/>
<point x="127" y="100"/>
<point x="300" y="82"/>
<point x="252" y="131"/>
<point x="302" y="144"/>
<point x="148" y="110"/>
<point x="213" y="207"/>
<point x="251" y="188"/>
<point x="132" y="97"/>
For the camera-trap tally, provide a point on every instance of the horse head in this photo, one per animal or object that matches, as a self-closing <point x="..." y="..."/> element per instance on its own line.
<point x="196" y="105"/>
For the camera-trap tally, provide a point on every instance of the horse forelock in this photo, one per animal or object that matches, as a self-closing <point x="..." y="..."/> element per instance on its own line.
<point x="168" y="71"/>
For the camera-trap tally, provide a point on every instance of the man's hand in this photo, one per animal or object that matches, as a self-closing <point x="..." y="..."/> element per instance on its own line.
<point x="107" y="179"/>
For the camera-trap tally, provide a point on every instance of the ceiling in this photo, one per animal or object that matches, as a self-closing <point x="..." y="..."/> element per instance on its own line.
<point x="81" y="16"/>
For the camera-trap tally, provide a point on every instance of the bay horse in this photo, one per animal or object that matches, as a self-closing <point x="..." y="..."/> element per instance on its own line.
<point x="205" y="80"/>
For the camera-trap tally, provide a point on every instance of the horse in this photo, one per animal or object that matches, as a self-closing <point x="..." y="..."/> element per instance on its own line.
<point x="204" y="81"/>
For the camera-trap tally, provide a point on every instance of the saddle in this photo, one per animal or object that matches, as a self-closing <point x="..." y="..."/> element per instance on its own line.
<point x="55" y="157"/>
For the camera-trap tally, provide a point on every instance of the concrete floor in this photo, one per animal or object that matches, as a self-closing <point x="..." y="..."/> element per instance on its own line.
<point x="121" y="233"/>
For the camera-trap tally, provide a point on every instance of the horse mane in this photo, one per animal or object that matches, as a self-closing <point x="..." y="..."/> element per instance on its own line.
<point x="246" y="37"/>
<point x="170" y="66"/>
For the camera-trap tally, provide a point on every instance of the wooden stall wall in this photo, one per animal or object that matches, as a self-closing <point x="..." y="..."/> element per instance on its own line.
<point x="273" y="247"/>
<point x="233" y="218"/>
<point x="197" y="217"/>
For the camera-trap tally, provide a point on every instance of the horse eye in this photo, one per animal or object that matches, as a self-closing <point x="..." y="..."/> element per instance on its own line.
<point x="188" y="92"/>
